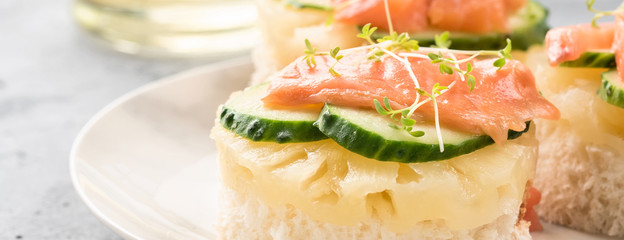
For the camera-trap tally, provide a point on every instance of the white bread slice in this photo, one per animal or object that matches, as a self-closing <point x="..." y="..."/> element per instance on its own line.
<point x="582" y="183"/>
<point x="245" y="217"/>
<point x="580" y="169"/>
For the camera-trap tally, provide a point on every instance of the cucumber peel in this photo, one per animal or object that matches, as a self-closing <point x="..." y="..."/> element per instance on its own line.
<point x="245" y="115"/>
<point x="371" y="135"/>
<point x="592" y="59"/>
<point x="528" y="27"/>
<point x="612" y="88"/>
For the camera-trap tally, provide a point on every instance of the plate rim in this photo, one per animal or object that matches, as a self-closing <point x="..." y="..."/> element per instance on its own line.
<point x="86" y="128"/>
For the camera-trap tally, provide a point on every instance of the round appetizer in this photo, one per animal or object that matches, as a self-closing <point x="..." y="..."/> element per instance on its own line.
<point x="385" y="141"/>
<point x="581" y="156"/>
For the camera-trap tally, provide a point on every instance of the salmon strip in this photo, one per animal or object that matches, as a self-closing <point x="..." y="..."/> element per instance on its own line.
<point x="477" y="16"/>
<point x="501" y="100"/>
<point x="568" y="43"/>
<point x="407" y="15"/>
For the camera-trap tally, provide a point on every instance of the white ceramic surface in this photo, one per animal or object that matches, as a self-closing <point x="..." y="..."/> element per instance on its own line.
<point x="145" y="164"/>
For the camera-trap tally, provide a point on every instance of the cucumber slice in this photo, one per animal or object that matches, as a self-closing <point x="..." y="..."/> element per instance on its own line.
<point x="592" y="59"/>
<point x="528" y="27"/>
<point x="369" y="134"/>
<point x="244" y="114"/>
<point x="612" y="89"/>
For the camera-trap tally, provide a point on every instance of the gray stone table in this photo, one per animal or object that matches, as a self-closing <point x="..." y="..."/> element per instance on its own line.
<point x="52" y="80"/>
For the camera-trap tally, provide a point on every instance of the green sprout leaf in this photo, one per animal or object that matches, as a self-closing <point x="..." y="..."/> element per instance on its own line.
<point x="507" y="49"/>
<point x="416" y="133"/>
<point x="387" y="103"/>
<point x="379" y="108"/>
<point x="499" y="63"/>
<point x="421" y="92"/>
<point x="334" y="52"/>
<point x="471" y="81"/>
<point x="333" y="72"/>
<point x="468" y="68"/>
<point x="442" y="40"/>
<point x="433" y="56"/>
<point x="367" y="32"/>
<point x="446" y="69"/>
<point x="407" y="121"/>
<point x="309" y="52"/>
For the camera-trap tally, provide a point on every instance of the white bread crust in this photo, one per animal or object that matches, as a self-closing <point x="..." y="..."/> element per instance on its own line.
<point x="245" y="217"/>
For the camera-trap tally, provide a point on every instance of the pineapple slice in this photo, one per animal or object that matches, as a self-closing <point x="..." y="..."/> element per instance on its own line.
<point x="331" y="184"/>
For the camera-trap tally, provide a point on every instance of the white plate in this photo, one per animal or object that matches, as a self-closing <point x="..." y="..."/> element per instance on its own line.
<point x="145" y="164"/>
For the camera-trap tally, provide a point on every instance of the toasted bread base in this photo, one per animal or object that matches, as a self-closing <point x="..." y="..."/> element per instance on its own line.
<point x="246" y="217"/>
<point x="582" y="183"/>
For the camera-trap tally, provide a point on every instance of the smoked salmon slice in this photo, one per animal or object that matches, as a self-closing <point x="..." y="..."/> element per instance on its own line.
<point x="407" y="15"/>
<point x="501" y="100"/>
<point x="477" y="16"/>
<point x="568" y="43"/>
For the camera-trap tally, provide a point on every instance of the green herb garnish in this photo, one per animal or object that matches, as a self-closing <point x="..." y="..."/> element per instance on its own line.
<point x="310" y="52"/>
<point x="334" y="54"/>
<point x="404" y="116"/>
<point x="450" y="65"/>
<point x="442" y="40"/>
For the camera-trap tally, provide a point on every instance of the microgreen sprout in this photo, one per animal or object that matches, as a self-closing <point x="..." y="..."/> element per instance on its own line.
<point x="404" y="119"/>
<point x="400" y="42"/>
<point x="367" y="32"/>
<point x="450" y="65"/>
<point x="442" y="40"/>
<point x="310" y="52"/>
<point x="388" y="17"/>
<point x="404" y="115"/>
<point x="599" y="14"/>
<point x="436" y="91"/>
<point x="504" y="53"/>
<point x="334" y="54"/>
<point x="392" y="42"/>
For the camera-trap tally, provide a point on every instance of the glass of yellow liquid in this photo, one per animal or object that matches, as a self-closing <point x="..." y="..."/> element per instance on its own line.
<point x="171" y="28"/>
